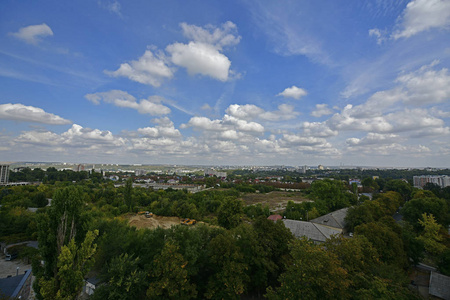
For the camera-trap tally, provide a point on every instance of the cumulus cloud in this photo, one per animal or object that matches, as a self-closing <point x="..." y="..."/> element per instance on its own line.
<point x="75" y="137"/>
<point x="318" y="129"/>
<point x="293" y="92"/>
<point x="321" y="110"/>
<point x="423" y="15"/>
<point x="227" y="123"/>
<point x="374" y="139"/>
<point x="426" y="85"/>
<point x="199" y="58"/>
<point x="165" y="128"/>
<point x="152" y="105"/>
<point x="252" y="112"/>
<point x="203" y="54"/>
<point x="149" y="69"/>
<point x="33" y="34"/>
<point x="23" y="113"/>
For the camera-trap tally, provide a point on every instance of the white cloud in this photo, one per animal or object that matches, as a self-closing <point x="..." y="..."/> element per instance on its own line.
<point x="321" y="110"/>
<point x="227" y="123"/>
<point x="293" y="92"/>
<point x="150" y="69"/>
<point x="75" y="137"/>
<point x="221" y="37"/>
<point x="426" y="85"/>
<point x="200" y="58"/>
<point x="23" y="113"/>
<point x="242" y="125"/>
<point x="380" y="36"/>
<point x="32" y="34"/>
<point x="152" y="105"/>
<point x="165" y="128"/>
<point x="423" y="15"/>
<point x="413" y="120"/>
<point x="252" y="112"/>
<point x="203" y="54"/>
<point x="318" y="129"/>
<point x="348" y="120"/>
<point x="245" y="112"/>
<point x="374" y="139"/>
<point x="297" y="140"/>
<point x="203" y="123"/>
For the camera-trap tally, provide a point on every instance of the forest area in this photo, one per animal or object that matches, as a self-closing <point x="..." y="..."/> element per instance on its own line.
<point x="234" y="251"/>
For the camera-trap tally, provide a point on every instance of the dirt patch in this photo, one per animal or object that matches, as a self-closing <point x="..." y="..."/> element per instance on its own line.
<point x="276" y="200"/>
<point x="140" y="221"/>
<point x="9" y="268"/>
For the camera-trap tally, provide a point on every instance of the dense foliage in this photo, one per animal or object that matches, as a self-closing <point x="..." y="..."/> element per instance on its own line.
<point x="235" y="251"/>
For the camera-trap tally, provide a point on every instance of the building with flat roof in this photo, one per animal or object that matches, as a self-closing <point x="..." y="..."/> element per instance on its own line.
<point x="4" y="173"/>
<point x="441" y="180"/>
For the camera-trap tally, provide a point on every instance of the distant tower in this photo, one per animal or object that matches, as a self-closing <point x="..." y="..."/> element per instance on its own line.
<point x="4" y="173"/>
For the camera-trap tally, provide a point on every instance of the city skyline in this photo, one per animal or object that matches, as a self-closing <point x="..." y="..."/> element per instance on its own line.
<point x="226" y="83"/>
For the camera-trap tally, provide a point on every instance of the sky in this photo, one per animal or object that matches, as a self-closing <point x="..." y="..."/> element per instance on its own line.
<point x="238" y="82"/>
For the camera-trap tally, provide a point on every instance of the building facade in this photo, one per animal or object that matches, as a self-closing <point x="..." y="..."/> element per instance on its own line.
<point x="441" y="180"/>
<point x="4" y="174"/>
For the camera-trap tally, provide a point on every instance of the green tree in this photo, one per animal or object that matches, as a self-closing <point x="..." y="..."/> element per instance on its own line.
<point x="229" y="278"/>
<point x="73" y="264"/>
<point x="124" y="280"/>
<point x="314" y="273"/>
<point x="169" y="276"/>
<point x="128" y="194"/>
<point x="430" y="236"/>
<point x="399" y="186"/>
<point x="414" y="209"/>
<point x="230" y="212"/>
<point x="385" y="236"/>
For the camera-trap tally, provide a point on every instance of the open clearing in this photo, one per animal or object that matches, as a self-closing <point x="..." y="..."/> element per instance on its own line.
<point x="276" y="200"/>
<point x="140" y="221"/>
<point x="9" y="268"/>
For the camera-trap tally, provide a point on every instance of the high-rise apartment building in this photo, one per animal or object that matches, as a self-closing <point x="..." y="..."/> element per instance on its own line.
<point x="4" y="173"/>
<point x="441" y="180"/>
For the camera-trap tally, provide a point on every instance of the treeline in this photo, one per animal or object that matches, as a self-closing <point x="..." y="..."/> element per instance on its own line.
<point x="51" y="175"/>
<point x="236" y="253"/>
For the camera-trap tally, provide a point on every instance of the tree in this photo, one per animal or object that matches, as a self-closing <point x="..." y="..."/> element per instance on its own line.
<point x="399" y="186"/>
<point x="124" y="280"/>
<point x="413" y="210"/>
<point x="230" y="212"/>
<point x="169" y="276"/>
<point x="430" y="236"/>
<point x="383" y="236"/>
<point x="57" y="228"/>
<point x="73" y="264"/>
<point x="314" y="273"/>
<point x="128" y="194"/>
<point x="229" y="278"/>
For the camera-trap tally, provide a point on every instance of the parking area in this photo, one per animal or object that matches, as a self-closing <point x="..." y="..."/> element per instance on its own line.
<point x="9" y="268"/>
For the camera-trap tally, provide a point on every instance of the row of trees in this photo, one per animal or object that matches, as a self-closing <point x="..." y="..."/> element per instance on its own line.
<point x="79" y="234"/>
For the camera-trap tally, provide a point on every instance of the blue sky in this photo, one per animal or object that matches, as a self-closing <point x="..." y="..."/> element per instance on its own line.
<point x="226" y="82"/>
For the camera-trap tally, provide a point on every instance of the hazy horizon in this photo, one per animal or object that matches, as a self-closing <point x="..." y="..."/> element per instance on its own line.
<point x="226" y="82"/>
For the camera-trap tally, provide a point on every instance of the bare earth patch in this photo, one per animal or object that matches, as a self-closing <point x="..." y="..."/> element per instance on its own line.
<point x="9" y="268"/>
<point x="276" y="200"/>
<point x="140" y="221"/>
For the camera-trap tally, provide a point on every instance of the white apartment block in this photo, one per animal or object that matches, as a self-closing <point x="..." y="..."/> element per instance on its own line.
<point x="4" y="173"/>
<point x="441" y="180"/>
